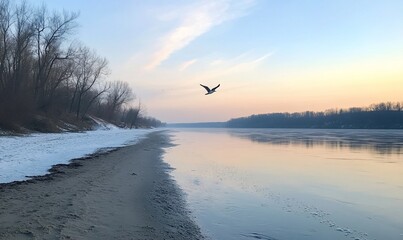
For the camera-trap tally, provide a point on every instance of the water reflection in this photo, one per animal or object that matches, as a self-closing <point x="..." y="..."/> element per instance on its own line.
<point x="380" y="141"/>
<point x="290" y="183"/>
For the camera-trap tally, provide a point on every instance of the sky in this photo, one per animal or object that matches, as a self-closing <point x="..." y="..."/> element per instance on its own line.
<point x="268" y="55"/>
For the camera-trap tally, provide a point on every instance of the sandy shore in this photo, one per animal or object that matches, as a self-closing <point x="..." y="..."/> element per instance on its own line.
<point x="124" y="194"/>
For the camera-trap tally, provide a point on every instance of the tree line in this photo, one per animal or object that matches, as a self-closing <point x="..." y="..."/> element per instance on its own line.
<point x="48" y="76"/>
<point x="387" y="115"/>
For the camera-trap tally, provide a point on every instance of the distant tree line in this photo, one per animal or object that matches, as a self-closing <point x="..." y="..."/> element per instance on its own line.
<point x="45" y="75"/>
<point x="377" y="116"/>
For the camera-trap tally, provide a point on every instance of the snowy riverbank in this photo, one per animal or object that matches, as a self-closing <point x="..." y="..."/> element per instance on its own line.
<point x="32" y="155"/>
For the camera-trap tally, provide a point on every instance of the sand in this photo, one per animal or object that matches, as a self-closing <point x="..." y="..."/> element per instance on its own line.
<point x="124" y="194"/>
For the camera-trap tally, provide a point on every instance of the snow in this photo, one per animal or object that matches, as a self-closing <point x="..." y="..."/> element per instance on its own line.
<point x="102" y="125"/>
<point x="35" y="154"/>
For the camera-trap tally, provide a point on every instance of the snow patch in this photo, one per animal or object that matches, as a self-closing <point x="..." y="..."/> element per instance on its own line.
<point x="35" y="154"/>
<point x="102" y="125"/>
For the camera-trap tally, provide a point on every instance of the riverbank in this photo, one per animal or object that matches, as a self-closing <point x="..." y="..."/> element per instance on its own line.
<point x="124" y="194"/>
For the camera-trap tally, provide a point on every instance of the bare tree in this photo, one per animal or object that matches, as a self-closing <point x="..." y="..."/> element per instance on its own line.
<point x="51" y="30"/>
<point x="120" y="94"/>
<point x="96" y="95"/>
<point x="5" y="28"/>
<point x="15" y="61"/>
<point x="59" y="75"/>
<point x="89" y="68"/>
<point x="132" y="115"/>
<point x="21" y="39"/>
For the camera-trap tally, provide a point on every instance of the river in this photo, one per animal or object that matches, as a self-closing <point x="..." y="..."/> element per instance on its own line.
<point x="283" y="184"/>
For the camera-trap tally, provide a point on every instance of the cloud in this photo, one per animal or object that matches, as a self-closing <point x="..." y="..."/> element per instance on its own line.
<point x="217" y="62"/>
<point x="196" y="21"/>
<point x="238" y="64"/>
<point x="247" y="64"/>
<point x="187" y="64"/>
<point x="242" y="61"/>
<point x="258" y="60"/>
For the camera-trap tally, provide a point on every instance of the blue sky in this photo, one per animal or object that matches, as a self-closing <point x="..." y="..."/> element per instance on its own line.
<point x="269" y="56"/>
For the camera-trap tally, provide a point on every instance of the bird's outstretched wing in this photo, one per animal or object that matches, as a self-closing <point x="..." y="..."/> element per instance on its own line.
<point x="215" y="88"/>
<point x="205" y="87"/>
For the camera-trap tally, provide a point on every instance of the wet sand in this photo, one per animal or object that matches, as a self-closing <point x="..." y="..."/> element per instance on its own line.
<point x="123" y="194"/>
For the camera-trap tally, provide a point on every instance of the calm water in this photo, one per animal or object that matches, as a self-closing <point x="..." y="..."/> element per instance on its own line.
<point x="291" y="184"/>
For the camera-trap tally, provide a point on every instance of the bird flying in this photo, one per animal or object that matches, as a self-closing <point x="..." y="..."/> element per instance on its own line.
<point x="209" y="91"/>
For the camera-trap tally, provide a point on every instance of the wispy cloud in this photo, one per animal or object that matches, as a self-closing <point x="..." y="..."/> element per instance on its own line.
<point x="242" y="61"/>
<point x="258" y="60"/>
<point x="187" y="64"/>
<point x="228" y="67"/>
<point x="217" y="62"/>
<point x="196" y="21"/>
<point x="249" y="64"/>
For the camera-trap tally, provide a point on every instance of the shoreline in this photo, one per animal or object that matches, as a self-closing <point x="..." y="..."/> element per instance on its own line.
<point x="126" y="193"/>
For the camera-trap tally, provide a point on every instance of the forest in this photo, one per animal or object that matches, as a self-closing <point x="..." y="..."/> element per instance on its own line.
<point x="51" y="81"/>
<point x="387" y="115"/>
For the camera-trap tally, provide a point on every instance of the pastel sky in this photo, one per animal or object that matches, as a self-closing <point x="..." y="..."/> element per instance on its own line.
<point x="268" y="55"/>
